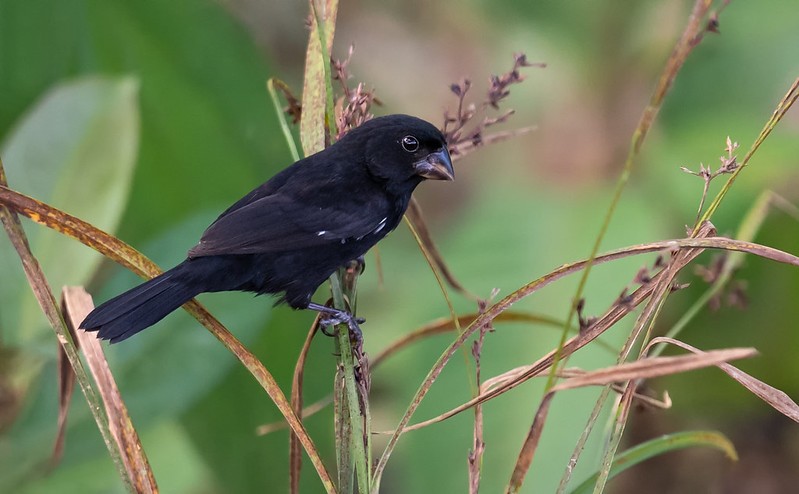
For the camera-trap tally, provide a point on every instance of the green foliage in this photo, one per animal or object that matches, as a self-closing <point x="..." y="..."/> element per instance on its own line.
<point x="202" y="100"/>
<point x="180" y="89"/>
<point x="76" y="147"/>
<point x="176" y="89"/>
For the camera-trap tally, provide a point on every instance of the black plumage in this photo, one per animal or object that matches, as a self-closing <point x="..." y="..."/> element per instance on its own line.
<point x="290" y="234"/>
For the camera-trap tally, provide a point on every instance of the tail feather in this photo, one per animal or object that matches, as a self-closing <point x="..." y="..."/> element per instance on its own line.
<point x="141" y="307"/>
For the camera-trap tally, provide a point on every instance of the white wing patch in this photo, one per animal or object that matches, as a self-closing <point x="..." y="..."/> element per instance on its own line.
<point x="378" y="229"/>
<point x="380" y="225"/>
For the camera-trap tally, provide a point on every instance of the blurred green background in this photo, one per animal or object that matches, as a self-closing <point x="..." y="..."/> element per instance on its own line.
<point x="148" y="118"/>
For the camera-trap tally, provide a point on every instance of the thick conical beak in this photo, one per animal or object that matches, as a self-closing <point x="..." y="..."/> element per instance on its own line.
<point x="436" y="166"/>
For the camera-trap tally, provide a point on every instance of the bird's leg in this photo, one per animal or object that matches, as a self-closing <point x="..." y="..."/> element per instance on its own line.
<point x="349" y="274"/>
<point x="332" y="316"/>
<point x="361" y="262"/>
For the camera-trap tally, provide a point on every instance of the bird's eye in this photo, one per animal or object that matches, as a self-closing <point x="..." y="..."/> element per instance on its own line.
<point x="410" y="144"/>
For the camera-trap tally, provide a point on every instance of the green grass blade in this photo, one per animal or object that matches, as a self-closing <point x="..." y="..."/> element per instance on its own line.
<point x="272" y="84"/>
<point x="659" y="446"/>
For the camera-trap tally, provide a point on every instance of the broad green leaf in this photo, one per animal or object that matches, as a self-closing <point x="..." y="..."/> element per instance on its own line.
<point x="76" y="148"/>
<point x="208" y="132"/>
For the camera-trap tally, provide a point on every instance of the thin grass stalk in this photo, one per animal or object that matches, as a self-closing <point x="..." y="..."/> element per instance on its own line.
<point x="628" y="371"/>
<point x="691" y="247"/>
<point x="343" y="434"/>
<point x="747" y="231"/>
<point x="783" y="106"/>
<point x="645" y="319"/>
<point x="473" y="386"/>
<point x="684" y="46"/>
<point x="501" y="306"/>
<point x="271" y="86"/>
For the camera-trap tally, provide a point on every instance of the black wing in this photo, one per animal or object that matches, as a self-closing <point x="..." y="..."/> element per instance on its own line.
<point x="277" y="223"/>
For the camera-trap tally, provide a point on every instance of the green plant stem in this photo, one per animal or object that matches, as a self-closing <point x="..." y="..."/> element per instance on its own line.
<point x="357" y="416"/>
<point x="782" y="108"/>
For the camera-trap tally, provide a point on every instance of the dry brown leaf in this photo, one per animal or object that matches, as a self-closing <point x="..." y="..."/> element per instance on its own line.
<point x="648" y="368"/>
<point x="771" y="395"/>
<point x="77" y="304"/>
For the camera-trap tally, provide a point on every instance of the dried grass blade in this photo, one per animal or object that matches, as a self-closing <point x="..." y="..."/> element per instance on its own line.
<point x="611" y="317"/>
<point x="685" y="45"/>
<point x="85" y="233"/>
<point x="439" y="326"/>
<point x="771" y="395"/>
<point x="446" y="325"/>
<point x="76" y="305"/>
<point x="422" y="235"/>
<point x="646" y="368"/>
<point x="591" y="333"/>
<point x="644" y="322"/>
<point x="308" y="411"/>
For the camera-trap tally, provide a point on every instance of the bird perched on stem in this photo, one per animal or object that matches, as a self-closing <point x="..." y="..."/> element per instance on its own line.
<point x="290" y="234"/>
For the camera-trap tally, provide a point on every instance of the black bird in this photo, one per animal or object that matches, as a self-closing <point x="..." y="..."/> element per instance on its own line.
<point x="290" y="234"/>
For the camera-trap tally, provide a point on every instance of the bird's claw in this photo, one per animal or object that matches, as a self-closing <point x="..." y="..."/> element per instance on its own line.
<point x="331" y="317"/>
<point x="356" y="335"/>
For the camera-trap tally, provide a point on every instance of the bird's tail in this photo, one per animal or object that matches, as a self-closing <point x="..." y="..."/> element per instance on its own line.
<point x="139" y="308"/>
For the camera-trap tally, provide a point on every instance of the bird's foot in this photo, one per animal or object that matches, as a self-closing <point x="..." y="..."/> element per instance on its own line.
<point x="332" y="317"/>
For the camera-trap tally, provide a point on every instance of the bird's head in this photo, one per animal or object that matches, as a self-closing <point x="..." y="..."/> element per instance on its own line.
<point x="404" y="150"/>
